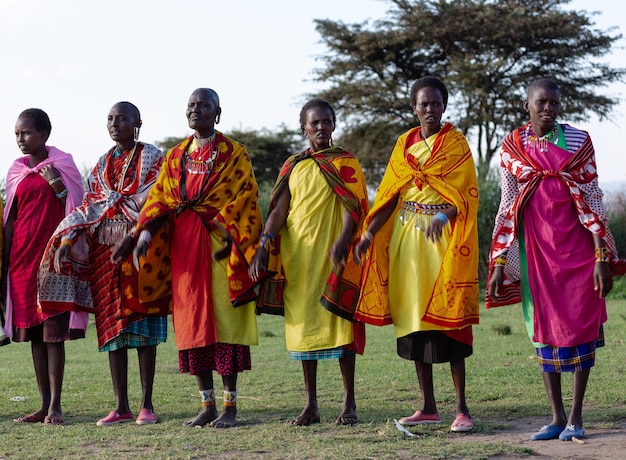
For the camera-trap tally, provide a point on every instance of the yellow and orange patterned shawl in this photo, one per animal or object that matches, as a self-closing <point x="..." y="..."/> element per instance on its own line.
<point x="450" y="171"/>
<point x="344" y="176"/>
<point x="230" y="204"/>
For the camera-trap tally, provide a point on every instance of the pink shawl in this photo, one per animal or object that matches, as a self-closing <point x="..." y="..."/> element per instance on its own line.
<point x="71" y="177"/>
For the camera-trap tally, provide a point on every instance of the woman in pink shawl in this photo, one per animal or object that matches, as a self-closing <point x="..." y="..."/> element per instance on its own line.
<point x="553" y="251"/>
<point x="42" y="187"/>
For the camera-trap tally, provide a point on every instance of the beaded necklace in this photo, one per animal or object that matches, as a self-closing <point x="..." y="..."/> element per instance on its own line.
<point x="120" y="184"/>
<point x="198" y="166"/>
<point x="542" y="141"/>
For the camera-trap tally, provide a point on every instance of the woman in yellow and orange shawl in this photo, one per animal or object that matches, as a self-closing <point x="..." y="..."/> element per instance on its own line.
<point x="206" y="195"/>
<point x="421" y="250"/>
<point x="317" y="206"/>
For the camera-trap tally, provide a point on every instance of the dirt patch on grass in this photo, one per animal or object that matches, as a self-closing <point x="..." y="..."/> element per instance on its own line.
<point x="600" y="442"/>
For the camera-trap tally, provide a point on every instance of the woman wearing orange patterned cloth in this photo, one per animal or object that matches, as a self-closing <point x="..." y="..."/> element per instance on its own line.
<point x="421" y="270"/>
<point x="97" y="237"/>
<point x="317" y="205"/>
<point x="206" y="194"/>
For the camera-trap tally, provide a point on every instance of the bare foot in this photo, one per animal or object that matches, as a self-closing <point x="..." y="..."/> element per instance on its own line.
<point x="207" y="415"/>
<point x="307" y="417"/>
<point x="227" y="419"/>
<point x="348" y="415"/>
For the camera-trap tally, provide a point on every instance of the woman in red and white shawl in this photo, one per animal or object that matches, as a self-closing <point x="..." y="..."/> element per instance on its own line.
<point x="42" y="187"/>
<point x="550" y="224"/>
<point x="99" y="235"/>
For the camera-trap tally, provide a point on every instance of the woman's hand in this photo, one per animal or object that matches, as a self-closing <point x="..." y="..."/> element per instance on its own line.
<point x="361" y="249"/>
<point x="61" y="256"/>
<point x="140" y="251"/>
<point x="223" y="252"/>
<point x="258" y="264"/>
<point x="339" y="251"/>
<point x="602" y="279"/>
<point x="495" y="281"/>
<point x="122" y="249"/>
<point x="49" y="173"/>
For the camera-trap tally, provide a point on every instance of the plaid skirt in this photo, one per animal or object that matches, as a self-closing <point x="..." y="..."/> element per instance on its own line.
<point x="147" y="332"/>
<point x="332" y="353"/>
<point x="569" y="359"/>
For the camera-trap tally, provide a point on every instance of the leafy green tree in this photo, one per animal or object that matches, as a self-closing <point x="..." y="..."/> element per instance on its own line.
<point x="486" y="51"/>
<point x="268" y="150"/>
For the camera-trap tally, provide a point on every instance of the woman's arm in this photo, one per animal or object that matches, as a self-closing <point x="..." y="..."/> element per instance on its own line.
<point x="377" y="221"/>
<point x="602" y="279"/>
<point x="6" y="247"/>
<point x="275" y="221"/>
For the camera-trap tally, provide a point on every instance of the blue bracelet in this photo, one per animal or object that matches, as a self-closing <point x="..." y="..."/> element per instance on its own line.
<point x="442" y="217"/>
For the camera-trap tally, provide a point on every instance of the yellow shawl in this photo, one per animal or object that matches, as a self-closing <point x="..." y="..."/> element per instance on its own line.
<point x="450" y="171"/>
<point x="228" y="203"/>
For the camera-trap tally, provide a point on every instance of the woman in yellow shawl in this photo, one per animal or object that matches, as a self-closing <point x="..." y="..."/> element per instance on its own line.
<point x="206" y="195"/>
<point x="420" y="250"/>
<point x="317" y="206"/>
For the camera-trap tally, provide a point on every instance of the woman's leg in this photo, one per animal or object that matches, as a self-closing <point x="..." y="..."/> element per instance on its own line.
<point x="147" y="365"/>
<point x="579" y="385"/>
<point x="228" y="416"/>
<point x="40" y="361"/>
<point x="348" y="411"/>
<point x="118" y="363"/>
<point x="310" y="413"/>
<point x="56" y="370"/>
<point x="208" y="413"/>
<point x="457" y="368"/>
<point x="425" y="377"/>
<point x="552" y="382"/>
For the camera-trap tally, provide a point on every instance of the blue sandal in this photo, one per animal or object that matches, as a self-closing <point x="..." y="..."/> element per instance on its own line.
<point x="572" y="431"/>
<point x="548" y="432"/>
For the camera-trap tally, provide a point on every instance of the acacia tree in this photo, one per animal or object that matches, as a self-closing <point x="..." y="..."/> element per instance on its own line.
<point x="486" y="51"/>
<point x="268" y="149"/>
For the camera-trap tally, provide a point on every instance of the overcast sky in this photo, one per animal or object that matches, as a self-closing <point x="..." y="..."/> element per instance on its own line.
<point x="75" y="59"/>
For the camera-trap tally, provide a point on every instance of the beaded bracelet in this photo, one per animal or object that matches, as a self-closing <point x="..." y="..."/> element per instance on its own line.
<point x="442" y="217"/>
<point x="500" y="260"/>
<point x="602" y="255"/>
<point x="62" y="194"/>
<point x="51" y="182"/>
<point x="144" y="237"/>
<point x="66" y="241"/>
<point x="266" y="237"/>
<point x="367" y="235"/>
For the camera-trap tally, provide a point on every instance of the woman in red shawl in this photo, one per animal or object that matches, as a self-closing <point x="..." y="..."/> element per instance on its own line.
<point x="550" y="224"/>
<point x="206" y="195"/>
<point x="42" y="187"/>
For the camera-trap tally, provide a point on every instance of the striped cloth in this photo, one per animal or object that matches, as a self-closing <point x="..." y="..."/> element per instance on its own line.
<point x="332" y="353"/>
<point x="147" y="332"/>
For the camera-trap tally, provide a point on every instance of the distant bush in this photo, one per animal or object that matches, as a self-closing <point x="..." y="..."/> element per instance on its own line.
<point x="615" y="203"/>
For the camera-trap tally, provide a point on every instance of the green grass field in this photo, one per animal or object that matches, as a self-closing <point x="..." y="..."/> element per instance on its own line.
<point x="503" y="382"/>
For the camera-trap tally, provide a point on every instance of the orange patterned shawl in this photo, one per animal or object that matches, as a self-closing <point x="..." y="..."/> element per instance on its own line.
<point x="229" y="204"/>
<point x="450" y="171"/>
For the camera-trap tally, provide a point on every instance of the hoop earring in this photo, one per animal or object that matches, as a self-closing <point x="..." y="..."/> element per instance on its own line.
<point x="136" y="133"/>
<point x="217" y="119"/>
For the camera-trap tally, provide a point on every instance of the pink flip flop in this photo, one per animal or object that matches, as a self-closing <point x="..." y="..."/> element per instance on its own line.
<point x="462" y="422"/>
<point x="419" y="418"/>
